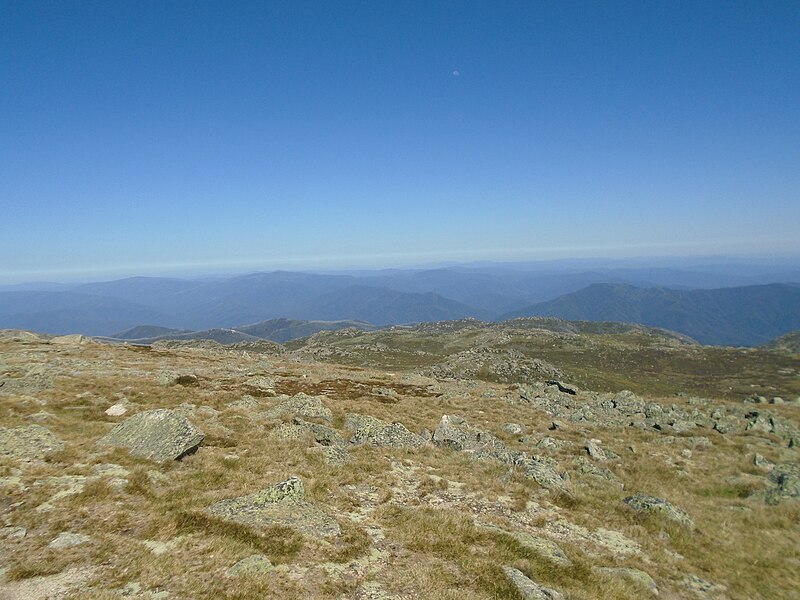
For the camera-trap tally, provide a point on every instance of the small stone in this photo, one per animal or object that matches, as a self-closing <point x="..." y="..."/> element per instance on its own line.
<point x="117" y="410"/>
<point x="555" y="425"/>
<point x="776" y="400"/>
<point x="68" y="540"/>
<point x="686" y="453"/>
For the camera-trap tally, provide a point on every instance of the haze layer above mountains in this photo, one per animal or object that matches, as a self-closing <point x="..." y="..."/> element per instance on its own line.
<point x="717" y="304"/>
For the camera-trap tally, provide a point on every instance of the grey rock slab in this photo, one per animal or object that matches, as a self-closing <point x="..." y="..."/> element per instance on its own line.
<point x="280" y="504"/>
<point x="160" y="435"/>
<point x="68" y="540"/>
<point x="28" y="442"/>
<point x="529" y="589"/>
<point x="653" y="505"/>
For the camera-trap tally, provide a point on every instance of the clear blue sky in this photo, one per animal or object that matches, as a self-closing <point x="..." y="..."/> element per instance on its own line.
<point x="141" y="135"/>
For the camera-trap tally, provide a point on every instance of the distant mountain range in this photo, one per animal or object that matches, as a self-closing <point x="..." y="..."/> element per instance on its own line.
<point x="295" y="304"/>
<point x="739" y="316"/>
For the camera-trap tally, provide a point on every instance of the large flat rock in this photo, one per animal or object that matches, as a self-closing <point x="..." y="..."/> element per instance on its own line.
<point x="160" y="435"/>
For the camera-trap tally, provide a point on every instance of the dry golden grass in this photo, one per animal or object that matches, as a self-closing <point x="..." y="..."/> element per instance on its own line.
<point x="407" y="516"/>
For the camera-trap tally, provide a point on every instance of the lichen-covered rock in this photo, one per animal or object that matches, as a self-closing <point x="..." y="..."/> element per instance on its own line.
<point x="651" y="504"/>
<point x="28" y="442"/>
<point x="543" y="471"/>
<point x="290" y="431"/>
<point x="369" y="430"/>
<point x="728" y="424"/>
<point x="158" y="435"/>
<point x="512" y="428"/>
<point x="257" y="564"/>
<point x="281" y="504"/>
<point x="529" y="589"/>
<point x="637" y="576"/>
<point x="300" y="405"/>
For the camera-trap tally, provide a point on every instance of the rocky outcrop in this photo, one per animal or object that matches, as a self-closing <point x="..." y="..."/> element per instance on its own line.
<point x="160" y="435"/>
<point x="281" y="504"/>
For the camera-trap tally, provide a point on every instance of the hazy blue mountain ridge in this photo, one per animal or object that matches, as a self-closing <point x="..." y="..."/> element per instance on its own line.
<point x="748" y="315"/>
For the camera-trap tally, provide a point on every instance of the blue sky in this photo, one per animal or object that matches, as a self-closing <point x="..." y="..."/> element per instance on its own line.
<point x="138" y="136"/>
